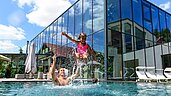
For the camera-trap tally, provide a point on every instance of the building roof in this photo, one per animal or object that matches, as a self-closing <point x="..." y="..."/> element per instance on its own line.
<point x="58" y="49"/>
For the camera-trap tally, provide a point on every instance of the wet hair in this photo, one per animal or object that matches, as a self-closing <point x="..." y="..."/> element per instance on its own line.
<point x="95" y="80"/>
<point x="82" y="34"/>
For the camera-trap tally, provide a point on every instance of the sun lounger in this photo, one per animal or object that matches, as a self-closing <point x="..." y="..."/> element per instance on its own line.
<point x="140" y="71"/>
<point x="160" y="75"/>
<point x="150" y="72"/>
<point x="167" y="73"/>
<point x="24" y="76"/>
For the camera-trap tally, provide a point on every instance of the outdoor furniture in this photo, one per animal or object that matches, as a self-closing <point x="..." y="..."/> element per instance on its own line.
<point x="24" y="76"/>
<point x="167" y="73"/>
<point x="140" y="71"/>
<point x="160" y="75"/>
<point x="150" y="72"/>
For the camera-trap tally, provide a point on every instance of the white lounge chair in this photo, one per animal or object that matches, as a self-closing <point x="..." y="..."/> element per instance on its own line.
<point x="160" y="75"/>
<point x="140" y="71"/>
<point x="150" y="72"/>
<point x="167" y="73"/>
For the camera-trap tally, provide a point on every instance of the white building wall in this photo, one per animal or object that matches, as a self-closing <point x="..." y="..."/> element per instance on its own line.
<point x="149" y="56"/>
<point x="158" y="54"/>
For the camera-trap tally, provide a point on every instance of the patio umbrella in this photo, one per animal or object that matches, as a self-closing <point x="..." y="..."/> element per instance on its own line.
<point x="4" y="58"/>
<point x="30" y="63"/>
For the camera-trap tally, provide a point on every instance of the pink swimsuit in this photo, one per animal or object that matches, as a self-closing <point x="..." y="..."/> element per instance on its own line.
<point x="82" y="49"/>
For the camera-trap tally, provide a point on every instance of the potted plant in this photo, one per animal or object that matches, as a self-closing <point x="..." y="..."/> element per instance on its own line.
<point x="40" y="72"/>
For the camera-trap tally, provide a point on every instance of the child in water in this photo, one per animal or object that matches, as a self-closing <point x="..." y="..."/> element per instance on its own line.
<point x="83" y="49"/>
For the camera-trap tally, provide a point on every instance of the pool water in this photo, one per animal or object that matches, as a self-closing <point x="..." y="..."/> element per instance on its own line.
<point x="86" y="89"/>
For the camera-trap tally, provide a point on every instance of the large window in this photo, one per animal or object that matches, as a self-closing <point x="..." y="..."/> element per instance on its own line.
<point x="147" y="16"/>
<point x="164" y="32"/>
<point x="137" y="11"/>
<point x="113" y="10"/>
<point x="126" y="9"/>
<point x="155" y="21"/>
<point x="139" y="38"/>
<point x="114" y="68"/>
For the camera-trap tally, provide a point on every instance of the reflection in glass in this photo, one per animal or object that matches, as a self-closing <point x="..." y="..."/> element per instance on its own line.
<point x="98" y="47"/>
<point x="126" y="9"/>
<point x="149" y="56"/>
<point x="155" y="21"/>
<point x="137" y="12"/>
<point x="87" y="15"/>
<point x="114" y="69"/>
<point x="168" y="20"/>
<point x="148" y="25"/>
<point x="147" y="14"/>
<point x="164" y="32"/>
<point x="127" y="43"/>
<point x="113" y="10"/>
<point x="78" y="17"/>
<point x="98" y="15"/>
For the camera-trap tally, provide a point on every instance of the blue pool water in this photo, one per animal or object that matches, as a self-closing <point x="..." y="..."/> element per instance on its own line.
<point x="88" y="89"/>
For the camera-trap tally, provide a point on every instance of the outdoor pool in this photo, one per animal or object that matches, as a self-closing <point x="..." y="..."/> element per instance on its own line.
<point x="87" y="89"/>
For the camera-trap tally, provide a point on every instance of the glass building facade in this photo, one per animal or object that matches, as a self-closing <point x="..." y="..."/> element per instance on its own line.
<point x="123" y="33"/>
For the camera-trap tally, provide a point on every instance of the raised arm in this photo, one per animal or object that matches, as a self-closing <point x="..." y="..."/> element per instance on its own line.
<point x="54" y="79"/>
<point x="72" y="77"/>
<point x="69" y="37"/>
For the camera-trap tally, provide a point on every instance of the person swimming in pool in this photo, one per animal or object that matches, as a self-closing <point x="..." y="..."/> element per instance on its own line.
<point x="83" y="49"/>
<point x="61" y="78"/>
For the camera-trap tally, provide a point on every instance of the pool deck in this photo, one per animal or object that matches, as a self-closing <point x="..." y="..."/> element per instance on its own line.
<point x="23" y="80"/>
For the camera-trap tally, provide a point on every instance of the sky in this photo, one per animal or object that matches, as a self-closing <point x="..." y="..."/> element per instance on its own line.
<point x="22" y="20"/>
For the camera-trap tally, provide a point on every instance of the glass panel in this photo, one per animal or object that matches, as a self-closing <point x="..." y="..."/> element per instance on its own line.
<point x="87" y="22"/>
<point x="78" y="18"/>
<point x="113" y="11"/>
<point x="127" y="43"/>
<point x="150" y="56"/>
<point x="137" y="12"/>
<point x="155" y="21"/>
<point x="139" y="38"/>
<point x="147" y="15"/>
<point x="56" y="36"/>
<point x="65" y="27"/>
<point x="126" y="9"/>
<point x="128" y="57"/>
<point x="168" y="18"/>
<point x="158" y="53"/>
<point x="149" y="39"/>
<point x="140" y="56"/>
<point x="98" y="15"/>
<point x="50" y="33"/>
<point x="59" y="39"/>
<point x="98" y="46"/>
<point x="129" y="66"/>
<point x="148" y="26"/>
<point x="55" y="32"/>
<point x="127" y="28"/>
<point x="164" y="32"/>
<point x="46" y="36"/>
<point x="71" y="27"/>
<point x="139" y="33"/>
<point x="127" y="38"/>
<point x="114" y="68"/>
<point x="139" y="43"/>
